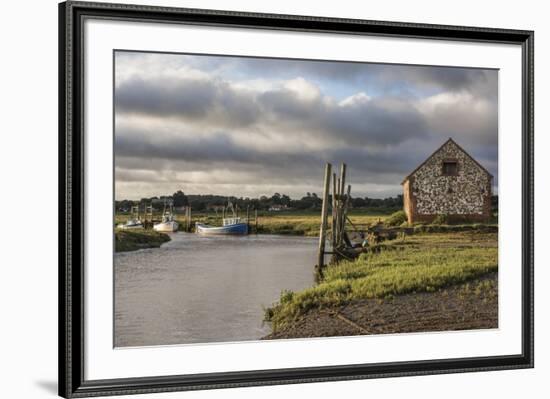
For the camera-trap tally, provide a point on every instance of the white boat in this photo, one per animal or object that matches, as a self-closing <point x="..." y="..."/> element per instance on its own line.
<point x="131" y="224"/>
<point x="134" y="222"/>
<point x="168" y="224"/>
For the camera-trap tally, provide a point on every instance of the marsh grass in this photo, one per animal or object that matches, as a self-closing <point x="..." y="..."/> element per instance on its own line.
<point x="421" y="263"/>
<point x="131" y="240"/>
<point x="308" y="223"/>
<point x="397" y="218"/>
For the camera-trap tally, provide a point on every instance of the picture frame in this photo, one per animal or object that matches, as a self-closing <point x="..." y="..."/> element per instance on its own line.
<point x="72" y="207"/>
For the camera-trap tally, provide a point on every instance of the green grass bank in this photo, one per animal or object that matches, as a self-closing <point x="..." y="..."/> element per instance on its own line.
<point x="424" y="262"/>
<point x="131" y="240"/>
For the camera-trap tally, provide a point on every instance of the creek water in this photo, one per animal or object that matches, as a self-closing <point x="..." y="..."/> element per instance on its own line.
<point x="197" y="289"/>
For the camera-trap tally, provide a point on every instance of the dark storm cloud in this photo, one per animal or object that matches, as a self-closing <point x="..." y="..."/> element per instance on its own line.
<point x="384" y="75"/>
<point x="446" y="78"/>
<point x="217" y="147"/>
<point x="374" y="123"/>
<point x="220" y="151"/>
<point x="185" y="98"/>
<point x="371" y="122"/>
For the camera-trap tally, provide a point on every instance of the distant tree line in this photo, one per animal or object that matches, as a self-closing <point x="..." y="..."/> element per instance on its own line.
<point x="311" y="201"/>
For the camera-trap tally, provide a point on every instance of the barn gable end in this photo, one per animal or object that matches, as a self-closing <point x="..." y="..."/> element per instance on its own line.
<point x="451" y="183"/>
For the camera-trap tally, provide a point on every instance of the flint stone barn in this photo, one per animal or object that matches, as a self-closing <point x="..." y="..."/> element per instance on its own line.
<point x="451" y="183"/>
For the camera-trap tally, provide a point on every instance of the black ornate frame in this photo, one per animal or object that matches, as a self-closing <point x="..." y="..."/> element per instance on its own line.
<point x="71" y="196"/>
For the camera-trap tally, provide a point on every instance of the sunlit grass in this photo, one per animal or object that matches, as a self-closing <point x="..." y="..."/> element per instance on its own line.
<point x="308" y="223"/>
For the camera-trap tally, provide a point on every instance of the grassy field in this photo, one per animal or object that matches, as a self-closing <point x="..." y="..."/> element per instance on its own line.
<point x="308" y="223"/>
<point x="424" y="262"/>
<point x="131" y="240"/>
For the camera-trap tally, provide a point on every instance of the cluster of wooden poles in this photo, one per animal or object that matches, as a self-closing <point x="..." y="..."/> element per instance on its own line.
<point x="339" y="204"/>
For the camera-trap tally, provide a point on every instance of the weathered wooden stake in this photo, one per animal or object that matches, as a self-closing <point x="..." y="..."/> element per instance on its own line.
<point x="324" y="215"/>
<point x="341" y="203"/>
<point x="188" y="218"/>
<point x="334" y="208"/>
<point x="255" y="220"/>
<point x="338" y="202"/>
<point x="248" y="219"/>
<point x="344" y="216"/>
<point x="343" y="168"/>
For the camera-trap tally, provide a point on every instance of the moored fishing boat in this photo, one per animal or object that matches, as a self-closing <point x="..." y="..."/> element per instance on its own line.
<point x="168" y="224"/>
<point x="131" y="224"/>
<point x="231" y="226"/>
<point x="134" y="222"/>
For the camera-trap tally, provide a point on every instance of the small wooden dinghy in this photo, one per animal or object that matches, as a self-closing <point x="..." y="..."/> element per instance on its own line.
<point x="231" y="226"/>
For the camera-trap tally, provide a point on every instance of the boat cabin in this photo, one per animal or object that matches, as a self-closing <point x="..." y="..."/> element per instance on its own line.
<point x="231" y="221"/>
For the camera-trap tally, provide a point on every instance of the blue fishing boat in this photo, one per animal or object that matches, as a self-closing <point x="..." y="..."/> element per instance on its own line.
<point x="230" y="226"/>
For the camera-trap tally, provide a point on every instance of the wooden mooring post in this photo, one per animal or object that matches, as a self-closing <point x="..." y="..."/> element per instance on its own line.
<point x="340" y="221"/>
<point x="188" y="218"/>
<point x="334" y="208"/>
<point x="324" y="216"/>
<point x="248" y="219"/>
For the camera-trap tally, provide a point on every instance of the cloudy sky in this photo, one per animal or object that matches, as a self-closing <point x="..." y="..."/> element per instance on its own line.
<point x="255" y="126"/>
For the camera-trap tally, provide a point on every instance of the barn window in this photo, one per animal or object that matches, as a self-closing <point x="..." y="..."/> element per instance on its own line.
<point x="450" y="168"/>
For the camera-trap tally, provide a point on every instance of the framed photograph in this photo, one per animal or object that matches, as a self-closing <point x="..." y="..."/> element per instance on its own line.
<point x="253" y="199"/>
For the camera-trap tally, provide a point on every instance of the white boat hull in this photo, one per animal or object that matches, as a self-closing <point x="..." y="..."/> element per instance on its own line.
<point x="166" y="226"/>
<point x="130" y="226"/>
